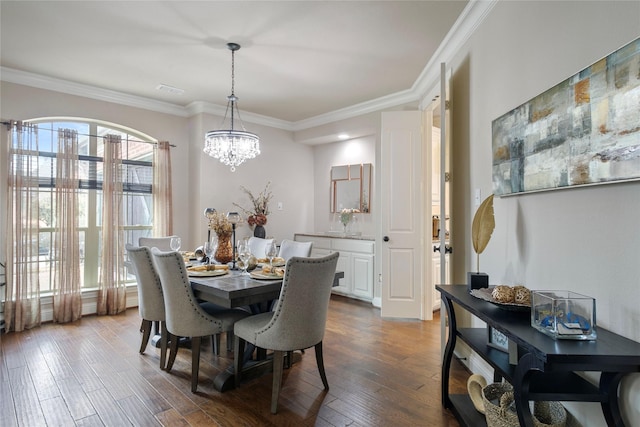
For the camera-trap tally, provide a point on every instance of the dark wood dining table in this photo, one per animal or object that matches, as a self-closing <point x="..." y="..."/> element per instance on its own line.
<point x="236" y="289"/>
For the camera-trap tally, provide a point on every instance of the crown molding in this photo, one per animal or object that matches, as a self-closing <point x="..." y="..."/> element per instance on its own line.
<point x="428" y="83"/>
<point x="203" y="107"/>
<point x="423" y="89"/>
<point x="388" y="101"/>
<point x="86" y="91"/>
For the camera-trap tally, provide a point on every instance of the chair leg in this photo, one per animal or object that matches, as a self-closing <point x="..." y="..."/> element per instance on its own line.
<point x="195" y="362"/>
<point x="215" y="343"/>
<point x="320" y="362"/>
<point x="163" y="344"/>
<point x="278" y="362"/>
<point x="230" y="340"/>
<point x="173" y="350"/>
<point x="238" y="355"/>
<point x="146" y="333"/>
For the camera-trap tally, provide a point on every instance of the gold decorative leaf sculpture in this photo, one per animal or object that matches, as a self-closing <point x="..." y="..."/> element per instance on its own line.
<point x="482" y="227"/>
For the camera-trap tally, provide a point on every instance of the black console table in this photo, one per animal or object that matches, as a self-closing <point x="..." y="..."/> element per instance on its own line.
<point x="546" y="367"/>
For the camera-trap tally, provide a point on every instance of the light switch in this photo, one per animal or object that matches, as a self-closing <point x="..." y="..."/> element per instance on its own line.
<point x="478" y="197"/>
<point x="280" y="206"/>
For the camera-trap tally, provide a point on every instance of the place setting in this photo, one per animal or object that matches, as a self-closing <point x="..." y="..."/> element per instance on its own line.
<point x="206" y="266"/>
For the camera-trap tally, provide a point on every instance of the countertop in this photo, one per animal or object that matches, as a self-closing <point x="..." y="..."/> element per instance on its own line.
<point x="335" y="235"/>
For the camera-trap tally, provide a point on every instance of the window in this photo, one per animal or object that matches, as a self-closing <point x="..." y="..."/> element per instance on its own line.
<point x="137" y="199"/>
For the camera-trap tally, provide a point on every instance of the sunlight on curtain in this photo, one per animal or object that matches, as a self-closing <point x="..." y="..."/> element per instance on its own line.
<point x="162" y="196"/>
<point x="67" y="303"/>
<point x="22" y="306"/>
<point x="112" y="289"/>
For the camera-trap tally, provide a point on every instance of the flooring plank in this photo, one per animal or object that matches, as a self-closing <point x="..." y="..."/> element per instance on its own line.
<point x="381" y="372"/>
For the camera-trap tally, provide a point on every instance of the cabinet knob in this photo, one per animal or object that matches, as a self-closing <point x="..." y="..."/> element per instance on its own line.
<point x="385" y="238"/>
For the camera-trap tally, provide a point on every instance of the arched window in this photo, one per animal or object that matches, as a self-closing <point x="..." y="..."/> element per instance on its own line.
<point x="137" y="153"/>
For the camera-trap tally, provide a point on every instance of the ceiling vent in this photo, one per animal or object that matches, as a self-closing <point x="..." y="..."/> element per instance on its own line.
<point x="169" y="89"/>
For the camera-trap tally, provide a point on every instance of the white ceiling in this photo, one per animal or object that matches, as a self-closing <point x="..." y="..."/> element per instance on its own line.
<point x="299" y="59"/>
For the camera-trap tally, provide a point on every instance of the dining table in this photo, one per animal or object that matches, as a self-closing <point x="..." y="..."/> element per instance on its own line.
<point x="240" y="289"/>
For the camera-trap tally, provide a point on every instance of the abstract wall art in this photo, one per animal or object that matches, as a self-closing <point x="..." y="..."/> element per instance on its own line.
<point x="585" y="130"/>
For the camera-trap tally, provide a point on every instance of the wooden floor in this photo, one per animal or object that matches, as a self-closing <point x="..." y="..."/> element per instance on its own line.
<point x="381" y="373"/>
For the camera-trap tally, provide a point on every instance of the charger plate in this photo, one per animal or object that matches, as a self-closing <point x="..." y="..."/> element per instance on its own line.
<point x="210" y="273"/>
<point x="262" y="276"/>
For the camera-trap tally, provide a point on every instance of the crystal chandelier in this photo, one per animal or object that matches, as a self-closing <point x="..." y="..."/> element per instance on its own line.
<point x="232" y="147"/>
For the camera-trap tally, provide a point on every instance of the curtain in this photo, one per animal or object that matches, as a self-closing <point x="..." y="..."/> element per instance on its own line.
<point x="161" y="188"/>
<point x="22" y="302"/>
<point x="67" y="303"/>
<point x="111" y="287"/>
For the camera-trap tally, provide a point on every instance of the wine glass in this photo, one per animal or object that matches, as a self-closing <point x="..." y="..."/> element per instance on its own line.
<point x="175" y="243"/>
<point x="244" y="254"/>
<point x="210" y="249"/>
<point x="271" y="251"/>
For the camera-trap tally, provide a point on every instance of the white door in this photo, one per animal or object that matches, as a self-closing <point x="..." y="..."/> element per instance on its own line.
<point x="446" y="262"/>
<point x="445" y="175"/>
<point x="401" y="196"/>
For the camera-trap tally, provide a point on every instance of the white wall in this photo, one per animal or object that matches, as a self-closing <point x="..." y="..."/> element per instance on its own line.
<point x="586" y="240"/>
<point x="198" y="180"/>
<point x="288" y="165"/>
<point x="354" y="151"/>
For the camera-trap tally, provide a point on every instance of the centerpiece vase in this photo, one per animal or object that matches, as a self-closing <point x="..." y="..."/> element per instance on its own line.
<point x="224" y="253"/>
<point x="259" y="231"/>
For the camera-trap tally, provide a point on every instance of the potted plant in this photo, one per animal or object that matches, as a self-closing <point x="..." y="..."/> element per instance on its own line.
<point x="481" y="230"/>
<point x="257" y="217"/>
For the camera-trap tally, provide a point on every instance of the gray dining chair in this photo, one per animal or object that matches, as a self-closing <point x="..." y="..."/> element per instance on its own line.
<point x="290" y="248"/>
<point x="162" y="243"/>
<point x="150" y="298"/>
<point x="185" y="317"/>
<point x="297" y="322"/>
<point x="257" y="246"/>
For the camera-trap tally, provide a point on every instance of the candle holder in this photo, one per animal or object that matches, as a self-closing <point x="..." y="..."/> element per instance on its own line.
<point x="234" y="218"/>
<point x="208" y="213"/>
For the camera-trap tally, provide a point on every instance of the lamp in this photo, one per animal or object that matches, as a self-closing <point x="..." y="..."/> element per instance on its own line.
<point x="232" y="147"/>
<point x="234" y="218"/>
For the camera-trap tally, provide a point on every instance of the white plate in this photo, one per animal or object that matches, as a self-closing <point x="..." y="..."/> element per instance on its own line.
<point x="211" y="273"/>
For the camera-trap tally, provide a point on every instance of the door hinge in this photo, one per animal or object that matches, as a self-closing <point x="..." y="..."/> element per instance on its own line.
<point x="447" y="105"/>
<point x="447" y="176"/>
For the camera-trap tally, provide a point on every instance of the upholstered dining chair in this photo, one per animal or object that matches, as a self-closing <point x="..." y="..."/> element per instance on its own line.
<point x="257" y="246"/>
<point x="162" y="243"/>
<point x="290" y="248"/>
<point x="185" y="317"/>
<point x="297" y="322"/>
<point x="150" y="298"/>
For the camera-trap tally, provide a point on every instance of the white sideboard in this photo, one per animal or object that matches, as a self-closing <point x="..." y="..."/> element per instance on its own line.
<point x="356" y="260"/>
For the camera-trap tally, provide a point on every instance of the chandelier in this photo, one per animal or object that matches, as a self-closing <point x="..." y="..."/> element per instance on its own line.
<point x="232" y="147"/>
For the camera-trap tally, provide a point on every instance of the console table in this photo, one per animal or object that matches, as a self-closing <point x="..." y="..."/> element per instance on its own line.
<point x="546" y="368"/>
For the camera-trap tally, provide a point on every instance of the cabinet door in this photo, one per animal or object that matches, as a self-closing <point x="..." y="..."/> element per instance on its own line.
<point x="362" y="276"/>
<point x="344" y="264"/>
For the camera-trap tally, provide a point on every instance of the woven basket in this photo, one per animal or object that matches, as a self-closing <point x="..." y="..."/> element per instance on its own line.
<point x="500" y="410"/>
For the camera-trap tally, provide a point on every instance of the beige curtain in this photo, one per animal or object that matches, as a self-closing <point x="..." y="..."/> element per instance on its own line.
<point x="67" y="303"/>
<point x="22" y="306"/>
<point x="112" y="289"/>
<point x="162" y="198"/>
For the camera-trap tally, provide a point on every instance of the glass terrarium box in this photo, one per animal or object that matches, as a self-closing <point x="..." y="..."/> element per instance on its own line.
<point x="564" y="314"/>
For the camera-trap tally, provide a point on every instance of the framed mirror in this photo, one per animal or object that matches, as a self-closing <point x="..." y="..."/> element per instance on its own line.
<point x="351" y="187"/>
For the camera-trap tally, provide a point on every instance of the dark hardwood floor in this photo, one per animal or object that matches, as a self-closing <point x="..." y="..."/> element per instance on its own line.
<point x="89" y="373"/>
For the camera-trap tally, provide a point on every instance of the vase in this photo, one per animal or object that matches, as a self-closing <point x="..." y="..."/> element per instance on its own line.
<point x="259" y="231"/>
<point x="224" y="253"/>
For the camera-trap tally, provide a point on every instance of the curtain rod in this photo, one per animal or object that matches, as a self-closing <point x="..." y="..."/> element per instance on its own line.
<point x="8" y="125"/>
